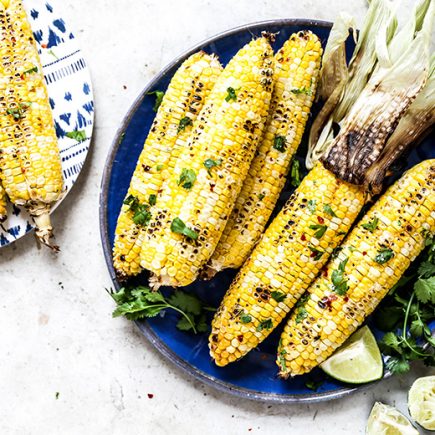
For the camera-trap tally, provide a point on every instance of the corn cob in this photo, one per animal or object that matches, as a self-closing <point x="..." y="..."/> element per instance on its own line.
<point x="296" y="75"/>
<point x="3" y="211"/>
<point x="218" y="153"/>
<point x="180" y="106"/>
<point x="372" y="259"/>
<point x="30" y="169"/>
<point x="291" y="253"/>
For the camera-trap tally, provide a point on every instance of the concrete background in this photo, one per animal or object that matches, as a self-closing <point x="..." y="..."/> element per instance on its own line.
<point x="57" y="336"/>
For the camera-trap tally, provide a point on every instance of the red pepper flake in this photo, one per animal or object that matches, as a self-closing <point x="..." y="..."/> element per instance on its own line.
<point x="240" y="338"/>
<point x="346" y="299"/>
<point x="44" y="45"/>
<point x="364" y="253"/>
<point x="324" y="271"/>
<point x="150" y="395"/>
<point x="303" y="238"/>
<point x="320" y="220"/>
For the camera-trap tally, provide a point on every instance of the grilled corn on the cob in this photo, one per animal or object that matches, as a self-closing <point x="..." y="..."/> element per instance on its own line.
<point x="291" y="253"/>
<point x="180" y="106"/>
<point x="372" y="259"/>
<point x="30" y="169"/>
<point x="191" y="218"/>
<point x="297" y="66"/>
<point x="3" y="211"/>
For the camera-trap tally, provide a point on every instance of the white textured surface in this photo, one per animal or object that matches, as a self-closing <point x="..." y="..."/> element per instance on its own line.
<point x="57" y="334"/>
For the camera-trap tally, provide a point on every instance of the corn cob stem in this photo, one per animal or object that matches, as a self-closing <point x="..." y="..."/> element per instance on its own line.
<point x="291" y="253"/>
<point x="219" y="153"/>
<point x="372" y="259"/>
<point x="296" y="73"/>
<point x="180" y="106"/>
<point x="30" y="168"/>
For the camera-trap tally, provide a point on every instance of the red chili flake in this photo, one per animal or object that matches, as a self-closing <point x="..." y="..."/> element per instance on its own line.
<point x="324" y="271"/>
<point x="212" y="187"/>
<point x="44" y="45"/>
<point x="303" y="238"/>
<point x="150" y="395"/>
<point x="240" y="338"/>
<point x="320" y="220"/>
<point x="364" y="253"/>
<point x="346" y="299"/>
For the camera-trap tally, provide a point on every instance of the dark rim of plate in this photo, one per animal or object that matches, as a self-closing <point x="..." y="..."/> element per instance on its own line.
<point x="144" y="327"/>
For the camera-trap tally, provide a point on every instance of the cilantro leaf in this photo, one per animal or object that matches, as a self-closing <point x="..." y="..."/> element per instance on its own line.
<point x="78" y="135"/>
<point x="265" y="324"/>
<point x="372" y="225"/>
<point x="280" y="143"/>
<point x="313" y="385"/>
<point x="210" y="163"/>
<point x="320" y="230"/>
<point x="179" y="227"/>
<point x="185" y="302"/>
<point x="31" y="70"/>
<point x="316" y="254"/>
<point x="327" y="209"/>
<point x="425" y="290"/>
<point x="159" y="98"/>
<point x="152" y="199"/>
<point x="187" y="178"/>
<point x="426" y="269"/>
<point x="301" y="314"/>
<point x="339" y="283"/>
<point x="295" y="173"/>
<point x="245" y="318"/>
<point x="278" y="296"/>
<point x="231" y="94"/>
<point x="184" y="122"/>
<point x="397" y="365"/>
<point x="312" y="206"/>
<point x="303" y="90"/>
<point x="384" y="255"/>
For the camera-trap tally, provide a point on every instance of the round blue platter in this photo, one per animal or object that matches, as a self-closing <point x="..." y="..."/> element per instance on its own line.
<point x="255" y="376"/>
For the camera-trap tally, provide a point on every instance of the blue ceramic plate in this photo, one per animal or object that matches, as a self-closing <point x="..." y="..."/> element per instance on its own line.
<point x="255" y="376"/>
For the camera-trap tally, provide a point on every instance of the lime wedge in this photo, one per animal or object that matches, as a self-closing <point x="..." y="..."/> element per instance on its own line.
<point x="386" y="420"/>
<point x="357" y="361"/>
<point x="421" y="402"/>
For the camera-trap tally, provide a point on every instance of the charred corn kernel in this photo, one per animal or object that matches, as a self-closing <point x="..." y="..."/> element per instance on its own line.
<point x="180" y="106"/>
<point x="287" y="259"/>
<point x="30" y="169"/>
<point x="3" y="211"/>
<point x="296" y="75"/>
<point x="218" y="153"/>
<point x="372" y="259"/>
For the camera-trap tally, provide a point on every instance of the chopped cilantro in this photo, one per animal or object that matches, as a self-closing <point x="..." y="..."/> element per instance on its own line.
<point x="141" y="213"/>
<point x="278" y="296"/>
<point x="152" y="199"/>
<point x="210" y="163"/>
<point x="31" y="70"/>
<point x="372" y="225"/>
<point x="295" y="173"/>
<point x="184" y="122"/>
<point x="78" y="135"/>
<point x="301" y="314"/>
<point x="18" y="112"/>
<point x="313" y="385"/>
<point x="383" y="255"/>
<point x="327" y="209"/>
<point x="261" y="196"/>
<point x="159" y="168"/>
<point x="231" y="94"/>
<point x="312" y="205"/>
<point x="265" y="324"/>
<point x="281" y="360"/>
<point x="320" y="230"/>
<point x="339" y="283"/>
<point x="187" y="178"/>
<point x="179" y="227"/>
<point x="159" y="98"/>
<point x="316" y="253"/>
<point x="297" y="91"/>
<point x="280" y="143"/>
<point x="245" y="318"/>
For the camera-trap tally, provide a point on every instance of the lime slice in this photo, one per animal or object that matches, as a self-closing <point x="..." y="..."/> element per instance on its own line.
<point x="421" y="402"/>
<point x="357" y="361"/>
<point x="386" y="420"/>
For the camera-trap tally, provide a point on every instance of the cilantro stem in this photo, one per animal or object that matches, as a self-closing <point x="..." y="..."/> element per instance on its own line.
<point x="185" y="315"/>
<point x="404" y="330"/>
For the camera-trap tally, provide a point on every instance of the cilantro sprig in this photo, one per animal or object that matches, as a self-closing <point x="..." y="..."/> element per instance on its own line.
<point x="406" y="312"/>
<point x="140" y="302"/>
<point x="159" y="98"/>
